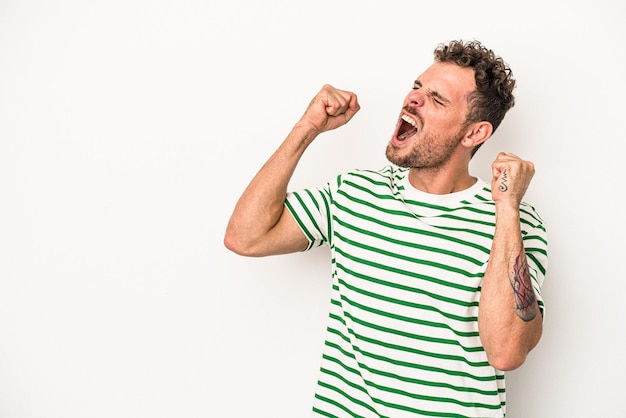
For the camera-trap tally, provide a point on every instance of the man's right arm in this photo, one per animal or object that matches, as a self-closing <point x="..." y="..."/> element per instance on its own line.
<point x="259" y="224"/>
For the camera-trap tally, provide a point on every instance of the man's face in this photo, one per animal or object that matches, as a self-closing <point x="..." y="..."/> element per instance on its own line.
<point x="432" y="121"/>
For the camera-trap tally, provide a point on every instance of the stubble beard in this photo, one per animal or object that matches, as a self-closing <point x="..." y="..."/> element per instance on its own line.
<point x="428" y="152"/>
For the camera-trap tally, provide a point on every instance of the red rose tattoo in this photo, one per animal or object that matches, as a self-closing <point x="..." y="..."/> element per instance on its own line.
<point x="523" y="289"/>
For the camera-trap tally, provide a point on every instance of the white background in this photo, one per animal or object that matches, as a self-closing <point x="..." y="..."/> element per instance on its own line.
<point x="128" y="129"/>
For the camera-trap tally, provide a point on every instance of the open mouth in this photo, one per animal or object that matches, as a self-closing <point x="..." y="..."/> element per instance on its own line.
<point x="408" y="127"/>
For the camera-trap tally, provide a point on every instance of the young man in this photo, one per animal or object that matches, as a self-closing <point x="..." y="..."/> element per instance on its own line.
<point x="436" y="273"/>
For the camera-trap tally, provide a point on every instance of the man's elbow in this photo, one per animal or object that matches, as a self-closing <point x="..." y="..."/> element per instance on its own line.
<point x="512" y="357"/>
<point x="236" y="244"/>
<point x="507" y="361"/>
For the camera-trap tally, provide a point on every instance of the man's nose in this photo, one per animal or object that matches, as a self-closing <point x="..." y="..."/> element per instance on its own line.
<point x="415" y="98"/>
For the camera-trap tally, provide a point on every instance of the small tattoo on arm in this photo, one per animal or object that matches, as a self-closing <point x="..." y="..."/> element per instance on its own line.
<point x="523" y="289"/>
<point x="503" y="180"/>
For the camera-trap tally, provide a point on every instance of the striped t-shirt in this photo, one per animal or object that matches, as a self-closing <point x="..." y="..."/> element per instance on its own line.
<point x="407" y="266"/>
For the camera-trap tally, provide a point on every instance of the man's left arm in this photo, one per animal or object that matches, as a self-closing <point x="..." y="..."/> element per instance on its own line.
<point x="509" y="318"/>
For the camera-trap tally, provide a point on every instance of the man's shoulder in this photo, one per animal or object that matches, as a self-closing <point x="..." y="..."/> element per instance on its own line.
<point x="385" y="174"/>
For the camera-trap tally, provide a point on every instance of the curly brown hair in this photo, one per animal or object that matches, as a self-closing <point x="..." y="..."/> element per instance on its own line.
<point x="493" y="96"/>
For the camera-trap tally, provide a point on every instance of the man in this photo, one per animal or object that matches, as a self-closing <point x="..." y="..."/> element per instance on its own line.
<point x="436" y="274"/>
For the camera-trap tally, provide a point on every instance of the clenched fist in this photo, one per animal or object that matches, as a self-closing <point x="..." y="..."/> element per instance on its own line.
<point x="511" y="178"/>
<point x="329" y="109"/>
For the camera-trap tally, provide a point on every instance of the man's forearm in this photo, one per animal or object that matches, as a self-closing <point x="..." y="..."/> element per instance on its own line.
<point x="261" y="205"/>
<point x="508" y="322"/>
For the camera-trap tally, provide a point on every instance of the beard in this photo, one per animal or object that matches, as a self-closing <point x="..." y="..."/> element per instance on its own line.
<point x="430" y="151"/>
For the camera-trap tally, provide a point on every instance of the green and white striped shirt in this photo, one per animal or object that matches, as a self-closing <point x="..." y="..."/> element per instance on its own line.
<point x="407" y="266"/>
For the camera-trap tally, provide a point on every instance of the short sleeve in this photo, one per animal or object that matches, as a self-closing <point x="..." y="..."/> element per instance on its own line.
<point x="311" y="208"/>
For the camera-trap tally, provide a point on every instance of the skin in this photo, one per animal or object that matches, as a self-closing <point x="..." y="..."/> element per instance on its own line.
<point x="438" y="155"/>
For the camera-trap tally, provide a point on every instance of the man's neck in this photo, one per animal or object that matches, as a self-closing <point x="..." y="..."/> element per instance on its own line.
<point x="439" y="182"/>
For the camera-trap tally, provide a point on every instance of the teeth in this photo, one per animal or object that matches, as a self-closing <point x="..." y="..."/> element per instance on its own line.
<point x="410" y="120"/>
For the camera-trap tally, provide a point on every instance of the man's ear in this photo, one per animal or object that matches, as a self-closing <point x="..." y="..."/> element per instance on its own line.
<point x="477" y="133"/>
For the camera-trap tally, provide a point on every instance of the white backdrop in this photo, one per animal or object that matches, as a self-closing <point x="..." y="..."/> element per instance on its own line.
<point x="128" y="128"/>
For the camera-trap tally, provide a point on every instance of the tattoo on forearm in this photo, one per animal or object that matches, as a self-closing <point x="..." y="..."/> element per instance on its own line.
<point x="523" y="289"/>
<point x="503" y="180"/>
